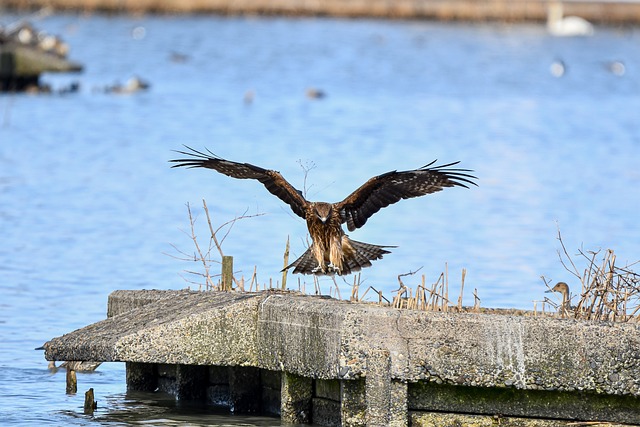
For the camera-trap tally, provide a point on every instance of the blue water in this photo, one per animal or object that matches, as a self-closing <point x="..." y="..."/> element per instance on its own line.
<point x="89" y="204"/>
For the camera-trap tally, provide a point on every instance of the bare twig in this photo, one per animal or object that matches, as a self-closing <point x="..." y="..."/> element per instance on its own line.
<point x="306" y="168"/>
<point x="575" y="270"/>
<point x="204" y="256"/>
<point x="201" y="257"/>
<point x="609" y="292"/>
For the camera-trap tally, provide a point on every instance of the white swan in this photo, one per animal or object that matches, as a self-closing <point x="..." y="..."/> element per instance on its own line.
<point x="558" y="25"/>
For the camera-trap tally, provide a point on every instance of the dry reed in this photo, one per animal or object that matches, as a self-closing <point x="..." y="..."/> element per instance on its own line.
<point x="430" y="298"/>
<point x="434" y="297"/>
<point x="609" y="291"/>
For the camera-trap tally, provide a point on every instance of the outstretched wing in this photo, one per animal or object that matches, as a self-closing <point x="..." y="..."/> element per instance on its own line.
<point x="386" y="189"/>
<point x="272" y="180"/>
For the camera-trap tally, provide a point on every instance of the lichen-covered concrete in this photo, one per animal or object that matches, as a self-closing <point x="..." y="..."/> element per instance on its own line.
<point x="297" y="393"/>
<point x="22" y="64"/>
<point x="388" y="362"/>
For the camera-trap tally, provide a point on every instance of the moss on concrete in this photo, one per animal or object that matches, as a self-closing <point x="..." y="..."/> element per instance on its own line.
<point x="524" y="403"/>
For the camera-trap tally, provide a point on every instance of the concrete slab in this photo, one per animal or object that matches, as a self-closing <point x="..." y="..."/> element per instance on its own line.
<point x="483" y="363"/>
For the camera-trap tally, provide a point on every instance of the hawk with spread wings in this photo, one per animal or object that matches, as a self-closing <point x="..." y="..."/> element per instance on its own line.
<point x="332" y="251"/>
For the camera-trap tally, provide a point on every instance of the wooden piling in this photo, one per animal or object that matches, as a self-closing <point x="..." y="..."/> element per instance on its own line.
<point x="90" y="404"/>
<point x="227" y="273"/>
<point x="72" y="382"/>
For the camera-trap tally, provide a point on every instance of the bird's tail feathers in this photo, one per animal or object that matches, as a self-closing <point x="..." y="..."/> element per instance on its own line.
<point x="305" y="264"/>
<point x="362" y="256"/>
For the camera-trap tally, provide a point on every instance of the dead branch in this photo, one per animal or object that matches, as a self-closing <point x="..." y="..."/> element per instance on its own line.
<point x="201" y="257"/>
<point x="609" y="292"/>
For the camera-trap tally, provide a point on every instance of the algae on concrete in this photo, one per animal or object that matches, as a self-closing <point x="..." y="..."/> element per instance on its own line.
<point x="429" y="396"/>
<point x="297" y="393"/>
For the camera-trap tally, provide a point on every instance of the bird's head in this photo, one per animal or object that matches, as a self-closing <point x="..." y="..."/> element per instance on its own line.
<point x="322" y="211"/>
<point x="561" y="287"/>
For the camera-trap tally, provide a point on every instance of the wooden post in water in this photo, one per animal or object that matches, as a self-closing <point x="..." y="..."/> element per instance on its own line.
<point x="72" y="381"/>
<point x="90" y="404"/>
<point x="227" y="273"/>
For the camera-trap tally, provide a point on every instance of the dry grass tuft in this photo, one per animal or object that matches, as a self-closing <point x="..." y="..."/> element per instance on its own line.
<point x="431" y="298"/>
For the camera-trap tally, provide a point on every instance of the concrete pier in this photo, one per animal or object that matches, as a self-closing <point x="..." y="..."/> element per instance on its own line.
<point x="26" y="53"/>
<point x="316" y="359"/>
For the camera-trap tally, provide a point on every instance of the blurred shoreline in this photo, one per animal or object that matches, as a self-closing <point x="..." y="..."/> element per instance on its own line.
<point x="603" y="11"/>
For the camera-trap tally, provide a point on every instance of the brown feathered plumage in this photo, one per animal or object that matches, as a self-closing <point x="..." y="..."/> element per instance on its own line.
<point x="331" y="251"/>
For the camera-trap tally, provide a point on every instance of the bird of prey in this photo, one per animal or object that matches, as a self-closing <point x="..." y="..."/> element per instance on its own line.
<point x="332" y="251"/>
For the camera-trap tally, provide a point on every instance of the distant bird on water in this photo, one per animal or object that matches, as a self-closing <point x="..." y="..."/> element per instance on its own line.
<point x="133" y="85"/>
<point x="616" y="67"/>
<point x="558" y="68"/>
<point x="314" y="93"/>
<point x="332" y="251"/>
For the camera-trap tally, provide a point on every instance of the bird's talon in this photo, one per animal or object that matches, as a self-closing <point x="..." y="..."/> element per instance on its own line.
<point x="317" y="269"/>
<point x="333" y="269"/>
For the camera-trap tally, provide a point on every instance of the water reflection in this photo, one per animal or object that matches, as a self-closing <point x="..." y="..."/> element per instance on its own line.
<point x="162" y="409"/>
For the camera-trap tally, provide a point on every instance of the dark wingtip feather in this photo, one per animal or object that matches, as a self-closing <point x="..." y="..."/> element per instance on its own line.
<point x="458" y="176"/>
<point x="196" y="159"/>
<point x="460" y="179"/>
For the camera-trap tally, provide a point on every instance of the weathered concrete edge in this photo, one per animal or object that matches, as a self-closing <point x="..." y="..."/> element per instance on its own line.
<point x="489" y="350"/>
<point x="325" y="338"/>
<point x="172" y="327"/>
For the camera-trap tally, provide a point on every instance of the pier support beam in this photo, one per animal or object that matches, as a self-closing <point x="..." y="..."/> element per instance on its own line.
<point x="141" y="376"/>
<point x="296" y="395"/>
<point x="386" y="399"/>
<point x="244" y="390"/>
<point x="218" y="389"/>
<point x="352" y="403"/>
<point x="191" y="382"/>
<point x="398" y="408"/>
<point x="326" y="402"/>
